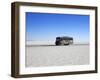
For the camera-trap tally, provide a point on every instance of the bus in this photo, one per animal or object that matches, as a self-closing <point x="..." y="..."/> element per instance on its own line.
<point x="64" y="40"/>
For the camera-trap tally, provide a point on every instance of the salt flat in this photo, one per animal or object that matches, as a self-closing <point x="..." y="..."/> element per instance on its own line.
<point x="51" y="55"/>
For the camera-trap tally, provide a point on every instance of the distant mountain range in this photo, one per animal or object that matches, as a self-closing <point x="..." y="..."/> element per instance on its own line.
<point x="49" y="43"/>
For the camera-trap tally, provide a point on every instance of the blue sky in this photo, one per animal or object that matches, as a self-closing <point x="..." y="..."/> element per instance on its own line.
<point x="47" y="26"/>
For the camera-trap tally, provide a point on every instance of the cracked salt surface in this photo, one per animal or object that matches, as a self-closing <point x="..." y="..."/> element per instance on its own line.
<point x="50" y="55"/>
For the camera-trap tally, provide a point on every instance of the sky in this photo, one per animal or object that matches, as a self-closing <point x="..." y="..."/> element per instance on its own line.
<point x="48" y="26"/>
